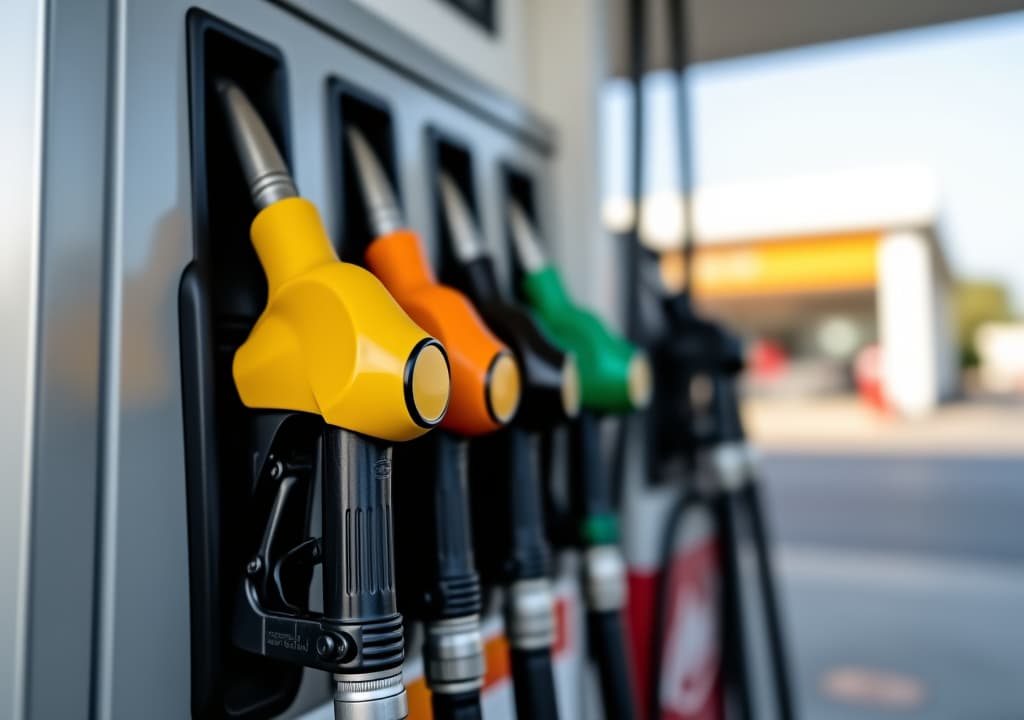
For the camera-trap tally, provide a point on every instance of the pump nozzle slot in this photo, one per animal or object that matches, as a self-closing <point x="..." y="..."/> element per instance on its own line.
<point x="264" y="169"/>
<point x="466" y="243"/>
<point x="363" y="135"/>
<point x="379" y="199"/>
<point x="221" y="294"/>
<point x="527" y="245"/>
<point x="521" y="213"/>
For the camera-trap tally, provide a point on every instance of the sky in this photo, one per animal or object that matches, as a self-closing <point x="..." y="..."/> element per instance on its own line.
<point x="949" y="98"/>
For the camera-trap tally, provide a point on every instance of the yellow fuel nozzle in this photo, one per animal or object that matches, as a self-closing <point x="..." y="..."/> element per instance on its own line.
<point x="331" y="340"/>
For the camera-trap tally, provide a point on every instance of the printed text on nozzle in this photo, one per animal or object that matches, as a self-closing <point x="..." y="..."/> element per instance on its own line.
<point x="265" y="171"/>
<point x="382" y="209"/>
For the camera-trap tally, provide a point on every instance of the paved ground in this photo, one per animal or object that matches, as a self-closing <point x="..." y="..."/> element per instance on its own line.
<point x="903" y="569"/>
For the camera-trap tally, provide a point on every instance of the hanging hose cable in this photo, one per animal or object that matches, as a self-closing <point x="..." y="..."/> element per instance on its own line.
<point x="636" y="25"/>
<point x="679" y="43"/>
<point x="750" y="494"/>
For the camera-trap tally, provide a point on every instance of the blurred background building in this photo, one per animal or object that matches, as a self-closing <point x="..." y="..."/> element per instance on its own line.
<point x="855" y="171"/>
<point x="853" y="200"/>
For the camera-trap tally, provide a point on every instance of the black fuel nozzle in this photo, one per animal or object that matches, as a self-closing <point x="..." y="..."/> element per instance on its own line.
<point x="512" y="545"/>
<point x="696" y="366"/>
<point x="550" y="376"/>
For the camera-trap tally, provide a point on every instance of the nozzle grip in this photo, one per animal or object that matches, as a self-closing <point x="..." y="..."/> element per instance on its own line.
<point x="438" y="569"/>
<point x="358" y="554"/>
<point x="357" y="522"/>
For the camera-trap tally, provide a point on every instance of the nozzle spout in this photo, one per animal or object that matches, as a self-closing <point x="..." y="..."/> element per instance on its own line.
<point x="524" y="239"/>
<point x="382" y="209"/>
<point x="466" y="242"/>
<point x="264" y="169"/>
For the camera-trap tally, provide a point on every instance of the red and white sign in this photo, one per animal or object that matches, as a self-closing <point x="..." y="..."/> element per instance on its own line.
<point x="690" y="687"/>
<point x="688" y="675"/>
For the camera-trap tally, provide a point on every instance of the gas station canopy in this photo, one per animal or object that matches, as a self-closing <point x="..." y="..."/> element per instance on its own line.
<point x="728" y="28"/>
<point x="721" y="29"/>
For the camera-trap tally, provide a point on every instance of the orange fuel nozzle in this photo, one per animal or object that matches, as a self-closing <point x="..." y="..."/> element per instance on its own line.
<point x="331" y="340"/>
<point x="486" y="383"/>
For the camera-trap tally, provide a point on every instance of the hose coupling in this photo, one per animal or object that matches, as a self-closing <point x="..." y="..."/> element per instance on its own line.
<point x="604" y="578"/>
<point x="530" y="614"/>
<point x="454" y="655"/>
<point x="378" y="696"/>
<point x="732" y="465"/>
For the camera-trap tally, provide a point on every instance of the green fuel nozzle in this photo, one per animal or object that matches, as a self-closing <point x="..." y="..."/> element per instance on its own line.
<point x="616" y="378"/>
<point x="615" y="375"/>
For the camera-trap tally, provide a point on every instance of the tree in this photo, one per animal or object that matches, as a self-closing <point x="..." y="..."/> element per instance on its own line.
<point x="977" y="302"/>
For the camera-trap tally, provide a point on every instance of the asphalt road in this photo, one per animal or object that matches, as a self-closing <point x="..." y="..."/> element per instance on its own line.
<point x="903" y="579"/>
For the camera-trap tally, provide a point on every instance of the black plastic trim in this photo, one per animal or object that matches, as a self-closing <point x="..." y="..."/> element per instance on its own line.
<point x="348" y="103"/>
<point x="221" y="293"/>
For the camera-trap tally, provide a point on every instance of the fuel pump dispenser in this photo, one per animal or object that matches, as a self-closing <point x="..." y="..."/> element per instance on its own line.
<point x="486" y="387"/>
<point x="615" y="378"/>
<point x="331" y="343"/>
<point x="695" y="428"/>
<point x="696" y="420"/>
<point x="514" y="543"/>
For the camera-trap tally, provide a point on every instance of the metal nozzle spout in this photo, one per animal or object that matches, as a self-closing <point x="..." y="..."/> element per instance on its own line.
<point x="466" y="243"/>
<point x="382" y="209"/>
<point x="264" y="169"/>
<point x="525" y="240"/>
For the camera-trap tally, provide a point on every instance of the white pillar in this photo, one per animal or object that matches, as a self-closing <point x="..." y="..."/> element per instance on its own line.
<point x="908" y="323"/>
